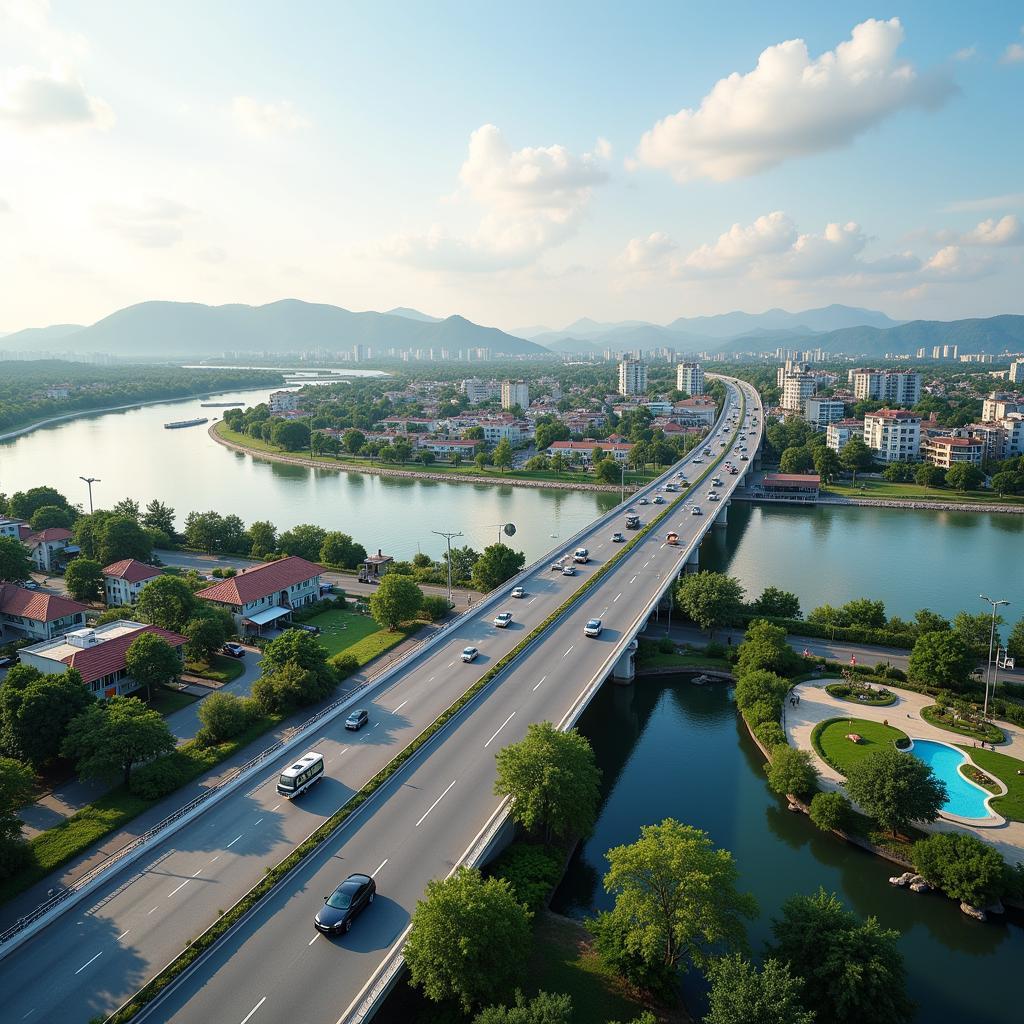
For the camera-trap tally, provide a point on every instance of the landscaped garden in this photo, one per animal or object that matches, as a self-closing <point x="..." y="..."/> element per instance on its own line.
<point x="1008" y="770"/>
<point x="953" y="719"/>
<point x="829" y="739"/>
<point x="857" y="692"/>
<point x="220" y="668"/>
<point x="348" y="632"/>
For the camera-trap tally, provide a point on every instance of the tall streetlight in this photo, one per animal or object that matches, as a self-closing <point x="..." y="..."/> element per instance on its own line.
<point x="448" y="538"/>
<point x="991" y="641"/>
<point x="90" y="480"/>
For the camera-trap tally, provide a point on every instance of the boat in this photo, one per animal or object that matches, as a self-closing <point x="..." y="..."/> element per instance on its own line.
<point x="177" y="424"/>
<point x="221" y="405"/>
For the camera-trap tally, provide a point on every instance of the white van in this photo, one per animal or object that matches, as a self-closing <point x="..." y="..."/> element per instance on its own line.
<point x="581" y="555"/>
<point x="298" y="777"/>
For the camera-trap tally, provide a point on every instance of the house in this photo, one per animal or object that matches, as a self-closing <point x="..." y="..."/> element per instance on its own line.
<point x="619" y="450"/>
<point x="894" y="435"/>
<point x="694" y="412"/>
<point x="943" y="451"/>
<point x="49" y="548"/>
<point x="283" y="401"/>
<point x="14" y="528"/>
<point x="60" y="392"/>
<point x="374" y="567"/>
<point x="36" y="615"/>
<point x="123" y="580"/>
<point x="266" y="593"/>
<point x="98" y="654"/>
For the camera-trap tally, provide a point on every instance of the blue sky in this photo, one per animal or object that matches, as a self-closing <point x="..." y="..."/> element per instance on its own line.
<point x="519" y="164"/>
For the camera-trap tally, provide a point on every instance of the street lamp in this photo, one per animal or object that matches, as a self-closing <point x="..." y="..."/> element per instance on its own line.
<point x="991" y="641"/>
<point x="90" y="480"/>
<point x="448" y="538"/>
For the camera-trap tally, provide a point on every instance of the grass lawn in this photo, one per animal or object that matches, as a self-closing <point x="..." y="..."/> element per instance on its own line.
<point x="340" y="630"/>
<point x="914" y="492"/>
<point x="1005" y="769"/>
<point x="167" y="701"/>
<point x="220" y="668"/>
<point x="829" y="740"/>
<point x="984" y="731"/>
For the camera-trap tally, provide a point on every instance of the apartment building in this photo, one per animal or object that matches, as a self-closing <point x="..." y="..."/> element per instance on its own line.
<point x="690" y="378"/>
<point x="1000" y="405"/>
<point x="477" y="390"/>
<point x="283" y="401"/>
<point x="820" y="412"/>
<point x="632" y="377"/>
<point x="894" y="435"/>
<point x="840" y="431"/>
<point x="796" y="389"/>
<point x="513" y="393"/>
<point x="1016" y="374"/>
<point x="944" y="451"/>
<point x="901" y="387"/>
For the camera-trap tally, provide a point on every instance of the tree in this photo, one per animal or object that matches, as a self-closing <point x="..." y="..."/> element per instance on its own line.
<point x="711" y="599"/>
<point x="482" y="459"/>
<point x="796" y="460"/>
<point x="927" y="621"/>
<point x="962" y="866"/>
<point x="166" y="602"/>
<point x="121" y="537"/>
<point x="855" y="456"/>
<point x="262" y="538"/>
<point x="503" y="456"/>
<point x="927" y="475"/>
<point x="765" y="647"/>
<point x="463" y="560"/>
<point x="544" y="1008"/>
<point x="498" y="564"/>
<point x="84" y="579"/>
<point x="778" y="604"/>
<point x="1015" y="641"/>
<point x="397" y="599"/>
<point x="831" y="811"/>
<point x="16" y="784"/>
<point x="52" y="516"/>
<point x="791" y="771"/>
<point x="963" y="476"/>
<point x="223" y="715"/>
<point x="608" y="471"/>
<point x="297" y="647"/>
<point x="159" y="516"/>
<point x="742" y="994"/>
<point x="152" y="661"/>
<point x="15" y="564"/>
<point x="852" y="970"/>
<point x="110" y="737"/>
<point x="24" y="504"/>
<point x="206" y="634"/>
<point x="896" y="789"/>
<point x="341" y="549"/>
<point x="353" y="440"/>
<point x="941" y="658"/>
<point x="128" y="508"/>
<point x="976" y="632"/>
<point x="291" y="435"/>
<point x="676" y="897"/>
<point x="304" y="540"/>
<point x="1008" y="483"/>
<point x="284" y="688"/>
<point x="553" y="781"/>
<point x="35" y="710"/>
<point x="757" y="686"/>
<point x="468" y="940"/>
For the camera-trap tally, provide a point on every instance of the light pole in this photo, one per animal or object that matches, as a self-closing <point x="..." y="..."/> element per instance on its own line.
<point x="622" y="496"/>
<point x="90" y="480"/>
<point x="991" y="641"/>
<point x="448" y="538"/>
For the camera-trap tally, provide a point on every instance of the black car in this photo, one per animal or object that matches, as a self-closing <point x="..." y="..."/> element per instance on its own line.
<point x="357" y="719"/>
<point x="344" y="904"/>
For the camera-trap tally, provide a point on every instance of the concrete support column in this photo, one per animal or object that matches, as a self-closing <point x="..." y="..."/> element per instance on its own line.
<point x="692" y="563"/>
<point x="624" y="671"/>
<point x="722" y="519"/>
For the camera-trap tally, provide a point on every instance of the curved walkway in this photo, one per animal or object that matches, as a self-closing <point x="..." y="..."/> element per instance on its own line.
<point x="816" y="706"/>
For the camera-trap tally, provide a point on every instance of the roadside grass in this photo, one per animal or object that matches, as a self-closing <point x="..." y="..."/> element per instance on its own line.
<point x="829" y="740"/>
<point x="915" y="492"/>
<point x="1008" y="771"/>
<point x="988" y="733"/>
<point x="220" y="668"/>
<point x="341" y="630"/>
<point x="166" y="701"/>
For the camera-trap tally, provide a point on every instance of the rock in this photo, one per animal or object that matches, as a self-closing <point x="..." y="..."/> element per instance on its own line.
<point x="920" y="887"/>
<point x="975" y="912"/>
<point x="996" y="907"/>
<point x="792" y="807"/>
<point x="903" y="879"/>
<point x="918" y="878"/>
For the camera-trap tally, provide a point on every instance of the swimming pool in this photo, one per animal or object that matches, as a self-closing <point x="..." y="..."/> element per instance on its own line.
<point x="966" y="800"/>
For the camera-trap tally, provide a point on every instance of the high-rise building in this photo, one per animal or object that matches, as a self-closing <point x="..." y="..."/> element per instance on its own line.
<point x="796" y="389"/>
<point x="632" y="377"/>
<point x="477" y="390"/>
<point x="515" y="392"/>
<point x="690" y="378"/>
<point x="820" y="412"/>
<point x="901" y="387"/>
<point x="894" y="435"/>
<point x="1017" y="371"/>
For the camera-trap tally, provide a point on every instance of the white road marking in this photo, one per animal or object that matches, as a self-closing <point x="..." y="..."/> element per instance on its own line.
<point x="215" y="859"/>
<point x="500" y="727"/>
<point x="312" y="940"/>
<point x="450" y="663"/>
<point x="253" y="1010"/>
<point x="257" y="822"/>
<point x="380" y="867"/>
<point x="633" y="580"/>
<point x="532" y="599"/>
<point x="233" y="841"/>
<point x="571" y="646"/>
<point x="400" y="706"/>
<point x="542" y="678"/>
<point x="615" y="598"/>
<point x="431" y="679"/>
<point x="183" y="884"/>
<point x="434" y="804"/>
<point x="30" y="1012"/>
<point x="122" y="935"/>
<point x="275" y="807"/>
<point x="151" y="911"/>
<point x="87" y="962"/>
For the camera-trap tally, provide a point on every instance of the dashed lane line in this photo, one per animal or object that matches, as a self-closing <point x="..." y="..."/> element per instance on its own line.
<point x="571" y="646"/>
<point x="500" y="727"/>
<point x="380" y="867"/>
<point x="87" y="962"/>
<point x="435" y="803"/>
<point x="542" y="678"/>
<point x="247" y="1017"/>
<point x="400" y="706"/>
<point x="233" y="841"/>
<point x="183" y="884"/>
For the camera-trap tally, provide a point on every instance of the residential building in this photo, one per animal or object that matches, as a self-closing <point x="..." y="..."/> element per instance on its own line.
<point x="900" y="387"/>
<point x="790" y="368"/>
<point x="802" y="488"/>
<point x="59" y="392"/>
<point x="694" y="412"/>
<point x="477" y="390"/>
<point x="820" y="412"/>
<point x="632" y="377"/>
<point x="503" y="428"/>
<point x="97" y="654"/>
<point x="448" y="446"/>
<point x="618" y="450"/>
<point x="796" y="389"/>
<point x="50" y="548"/>
<point x="894" y="435"/>
<point x="122" y="581"/>
<point x="1016" y="374"/>
<point x="1000" y="405"/>
<point x="16" y="528"/>
<point x="266" y="594"/>
<point x="943" y="451"/>
<point x="283" y="401"/>
<point x="840" y="431"/>
<point x="513" y="393"/>
<point x="690" y="378"/>
<point x="36" y="615"/>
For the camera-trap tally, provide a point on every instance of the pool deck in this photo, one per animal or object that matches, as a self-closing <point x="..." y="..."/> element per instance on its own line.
<point x="816" y="706"/>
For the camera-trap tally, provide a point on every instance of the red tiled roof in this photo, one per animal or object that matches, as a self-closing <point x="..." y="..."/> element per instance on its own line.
<point x="52" y="533"/>
<point x="106" y="657"/>
<point x="588" y="446"/>
<point x="955" y="442"/>
<point x="792" y="478"/>
<point x="131" y="570"/>
<point x="262" y="581"/>
<point x="893" y="414"/>
<point x="35" y="604"/>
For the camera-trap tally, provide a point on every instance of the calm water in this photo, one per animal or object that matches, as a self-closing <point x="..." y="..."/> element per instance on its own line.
<point x="677" y="750"/>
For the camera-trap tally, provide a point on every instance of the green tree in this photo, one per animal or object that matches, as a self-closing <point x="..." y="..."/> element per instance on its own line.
<point x="463" y="560"/>
<point x="976" y="632"/>
<point x="896" y="789"/>
<point x="962" y="866"/>
<point x="159" y="516"/>
<point x="15" y="564"/>
<point x="152" y="661"/>
<point x="796" y="460"/>
<point x="742" y="994"/>
<point x="607" y="471"/>
<point x="166" y="602"/>
<point x="482" y="459"/>
<point x="765" y="648"/>
<point x="553" y="781"/>
<point x="498" y="564"/>
<point x="341" y="549"/>
<point x="791" y="771"/>
<point x="852" y="970"/>
<point x="24" y="504"/>
<point x="283" y="688"/>
<point x="262" y="537"/>
<point x="1015" y="642"/>
<point x="16" y="784"/>
<point x="353" y="440"/>
<point x="927" y="475"/>
<point x="223" y="716"/>
<point x="777" y="604"/>
<point x="855" y="456"/>
<point x="503" y="456"/>
<point x="121" y="537"/>
<point x="110" y="737"/>
<point x="964" y="477"/>
<point x="35" y="710"/>
<point x="1008" y="483"/>
<point x="128" y="508"/>
<point x="84" y="579"/>
<point x="941" y="658"/>
<point x="304" y="540"/>
<point x="469" y="939"/>
<point x="206" y="634"/>
<point x="831" y="811"/>
<point x="297" y="647"/>
<point x="711" y="599"/>
<point x="291" y="435"/>
<point x="756" y="686"/>
<point x="50" y="516"/>
<point x="927" y="621"/>
<point x="397" y="599"/>
<point x="544" y="1008"/>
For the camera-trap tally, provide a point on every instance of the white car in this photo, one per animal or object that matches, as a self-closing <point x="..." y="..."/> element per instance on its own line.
<point x="593" y="627"/>
<point x="503" y="619"/>
<point x="659" y="500"/>
<point x="617" y="537"/>
<point x="642" y="501"/>
<point x="713" y="497"/>
<point x="568" y="570"/>
<point x="518" y="592"/>
<point x="469" y="653"/>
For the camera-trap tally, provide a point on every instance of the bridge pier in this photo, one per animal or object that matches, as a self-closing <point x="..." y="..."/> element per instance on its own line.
<point x="722" y="519"/>
<point x="625" y="668"/>
<point x="692" y="564"/>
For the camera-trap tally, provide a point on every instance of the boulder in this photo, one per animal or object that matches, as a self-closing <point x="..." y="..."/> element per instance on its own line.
<point x="793" y="807"/>
<point x="919" y="887"/>
<point x="975" y="912"/>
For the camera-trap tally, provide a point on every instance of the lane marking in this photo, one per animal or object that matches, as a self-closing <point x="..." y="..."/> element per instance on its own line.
<point x="434" y="804"/>
<point x="312" y="940"/>
<point x="633" y="580"/>
<point x="380" y="867"/>
<point x="275" y="807"/>
<point x="615" y="598"/>
<point x="542" y="678"/>
<point x="215" y="859"/>
<point x="151" y="911"/>
<point x="571" y="646"/>
<point x="257" y="822"/>
<point x="122" y="935"/>
<point x="431" y="679"/>
<point x="233" y="841"/>
<point x="450" y="663"/>
<point x="253" y="1010"/>
<point x="532" y="599"/>
<point x="400" y="706"/>
<point x="500" y="727"/>
<point x="87" y="962"/>
<point x="183" y="884"/>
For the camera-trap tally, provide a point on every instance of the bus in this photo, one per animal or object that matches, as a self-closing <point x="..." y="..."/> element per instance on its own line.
<point x="298" y="777"/>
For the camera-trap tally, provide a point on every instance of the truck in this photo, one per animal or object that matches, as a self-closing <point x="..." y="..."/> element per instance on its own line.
<point x="632" y="521"/>
<point x="581" y="555"/>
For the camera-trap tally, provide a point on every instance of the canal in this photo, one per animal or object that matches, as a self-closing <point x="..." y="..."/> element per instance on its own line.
<point x="668" y="748"/>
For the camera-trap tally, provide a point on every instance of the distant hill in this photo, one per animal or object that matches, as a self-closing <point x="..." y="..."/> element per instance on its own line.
<point x="413" y="314"/>
<point x="989" y="335"/>
<point x="819" y="321"/>
<point x="193" y="329"/>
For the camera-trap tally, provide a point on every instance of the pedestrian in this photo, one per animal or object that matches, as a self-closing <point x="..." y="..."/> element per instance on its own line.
<point x="469" y="600"/>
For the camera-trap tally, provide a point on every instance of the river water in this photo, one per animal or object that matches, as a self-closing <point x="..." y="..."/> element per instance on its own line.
<point x="672" y="749"/>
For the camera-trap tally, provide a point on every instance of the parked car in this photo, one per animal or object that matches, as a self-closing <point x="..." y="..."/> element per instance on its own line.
<point x="233" y="650"/>
<point x="357" y="719"/>
<point x="593" y="627"/>
<point x="470" y="653"/>
<point x="345" y="904"/>
<point x="30" y="585"/>
<point x="503" y="619"/>
<point x="568" y="570"/>
<point x="617" y="537"/>
<point x="8" y="660"/>
<point x="307" y="627"/>
<point x="518" y="592"/>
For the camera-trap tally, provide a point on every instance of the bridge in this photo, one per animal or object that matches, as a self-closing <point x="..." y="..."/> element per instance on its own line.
<point x="89" y="954"/>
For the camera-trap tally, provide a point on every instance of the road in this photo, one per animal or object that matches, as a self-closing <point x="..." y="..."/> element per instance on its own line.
<point x="97" y="955"/>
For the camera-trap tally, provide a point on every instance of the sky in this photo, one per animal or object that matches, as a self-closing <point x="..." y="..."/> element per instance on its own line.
<point x="519" y="164"/>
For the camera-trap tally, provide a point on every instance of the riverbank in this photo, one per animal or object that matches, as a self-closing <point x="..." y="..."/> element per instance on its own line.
<point x="915" y="503"/>
<point x="419" y="474"/>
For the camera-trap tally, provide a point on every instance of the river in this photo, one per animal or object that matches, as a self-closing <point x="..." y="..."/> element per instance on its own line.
<point x="671" y="749"/>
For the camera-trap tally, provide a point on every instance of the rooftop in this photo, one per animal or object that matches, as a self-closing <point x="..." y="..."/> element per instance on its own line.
<point x="261" y="581"/>
<point x="131" y="570"/>
<point x="36" y="604"/>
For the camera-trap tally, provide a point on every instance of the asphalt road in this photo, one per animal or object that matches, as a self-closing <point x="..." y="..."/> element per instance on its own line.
<point x="93" y="958"/>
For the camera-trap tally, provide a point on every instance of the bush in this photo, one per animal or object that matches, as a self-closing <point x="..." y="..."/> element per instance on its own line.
<point x="791" y="771"/>
<point x="755" y="686"/>
<point x="961" y="865"/>
<point x="830" y="811"/>
<point x="770" y="734"/>
<point x="163" y="775"/>
<point x="761" y="712"/>
<point x="714" y="650"/>
<point x="666" y="645"/>
<point x="435" y="607"/>
<point x="224" y="715"/>
<point x="344" y="664"/>
<point x="531" y="870"/>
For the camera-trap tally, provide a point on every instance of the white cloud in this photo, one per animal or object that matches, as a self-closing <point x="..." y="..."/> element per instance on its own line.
<point x="650" y="253"/>
<point x="1014" y="54"/>
<point x="157" y="223"/>
<point x="771" y="233"/>
<point x="792" y="105"/>
<point x="33" y="99"/>
<point x="1005" y="231"/>
<point x="967" y="53"/>
<point x="1011" y="200"/>
<point x="951" y="264"/>
<point x="264" y="120"/>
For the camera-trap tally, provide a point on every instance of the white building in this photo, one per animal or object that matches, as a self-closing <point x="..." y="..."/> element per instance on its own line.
<point x="36" y="615"/>
<point x="945" y="451"/>
<point x="477" y="390"/>
<point x="283" y="401"/>
<point x="998" y="406"/>
<point x="690" y="378"/>
<point x="1017" y="371"/>
<point x="50" y="548"/>
<point x="59" y="392"/>
<point x="632" y="377"/>
<point x="840" y="431"/>
<point x="820" y="412"/>
<point x="894" y="435"/>
<point x="122" y="581"/>
<point x="796" y="389"/>
<point x="617" y="450"/>
<point x="900" y="387"/>
<point x="515" y="392"/>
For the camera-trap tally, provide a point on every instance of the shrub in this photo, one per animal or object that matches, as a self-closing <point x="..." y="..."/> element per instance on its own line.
<point x="344" y="664"/>
<point x="714" y="650"/>
<point x="223" y="715"/>
<point x="761" y="712"/>
<point x="162" y="776"/>
<point x="770" y="734"/>
<point x="791" y="771"/>
<point x="961" y="865"/>
<point x="435" y="607"/>
<point x="830" y="811"/>
<point x="755" y="686"/>
<point x="531" y="870"/>
<point x="666" y="645"/>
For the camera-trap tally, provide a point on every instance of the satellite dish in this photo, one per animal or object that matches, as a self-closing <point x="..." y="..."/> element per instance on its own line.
<point x="510" y="529"/>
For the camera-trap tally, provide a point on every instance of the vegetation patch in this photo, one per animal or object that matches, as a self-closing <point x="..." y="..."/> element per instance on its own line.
<point x="166" y="701"/>
<point x="220" y="668"/>
<point x="830" y="742"/>
<point x="861" y="694"/>
<point x="1010" y="772"/>
<point x="947" y="720"/>
<point x="342" y="630"/>
<point x="882" y="489"/>
<point x="684" y="662"/>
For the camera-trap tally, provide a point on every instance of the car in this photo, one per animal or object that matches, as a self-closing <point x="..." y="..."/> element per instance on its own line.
<point x="307" y="627"/>
<point x="617" y="537"/>
<point x="680" y="475"/>
<point x="8" y="660"/>
<point x="643" y="501"/>
<point x="357" y="719"/>
<point x="345" y="904"/>
<point x="695" y="511"/>
<point x="518" y="592"/>
<point x="233" y="650"/>
<point x="30" y="585"/>
<point x="682" y="479"/>
<point x="743" y="458"/>
<point x="593" y="627"/>
<point x="469" y="653"/>
<point x="503" y="619"/>
<point x="568" y="570"/>
<point x="698" y="462"/>
<point x="659" y="500"/>
<point x="716" y="482"/>
<point x="713" y="497"/>
<point x="556" y="567"/>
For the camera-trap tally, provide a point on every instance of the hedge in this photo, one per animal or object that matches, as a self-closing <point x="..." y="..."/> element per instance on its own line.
<point x="855" y="634"/>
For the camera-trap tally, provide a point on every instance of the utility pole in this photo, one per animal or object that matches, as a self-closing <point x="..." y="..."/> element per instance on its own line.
<point x="991" y="641"/>
<point x="90" y="480"/>
<point x="622" y="496"/>
<point x="448" y="538"/>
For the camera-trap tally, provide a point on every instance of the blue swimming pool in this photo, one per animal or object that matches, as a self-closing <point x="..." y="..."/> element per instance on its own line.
<point x="966" y="800"/>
